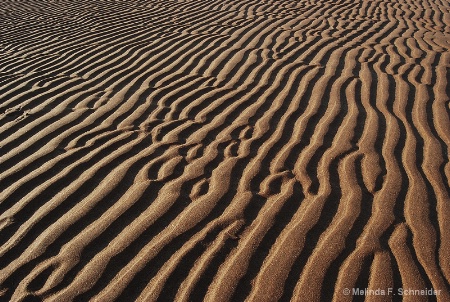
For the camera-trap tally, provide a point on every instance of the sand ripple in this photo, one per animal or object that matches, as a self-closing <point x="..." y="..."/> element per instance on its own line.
<point x="223" y="150"/>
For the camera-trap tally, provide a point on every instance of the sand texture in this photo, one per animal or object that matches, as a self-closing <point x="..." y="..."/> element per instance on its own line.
<point x="224" y="150"/>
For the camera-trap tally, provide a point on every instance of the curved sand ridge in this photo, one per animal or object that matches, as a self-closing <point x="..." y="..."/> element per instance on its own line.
<point x="223" y="150"/>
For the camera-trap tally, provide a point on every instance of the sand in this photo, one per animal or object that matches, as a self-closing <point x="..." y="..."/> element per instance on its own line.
<point x="231" y="150"/>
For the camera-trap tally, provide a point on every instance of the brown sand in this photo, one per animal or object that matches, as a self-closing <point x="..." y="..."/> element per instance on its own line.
<point x="224" y="150"/>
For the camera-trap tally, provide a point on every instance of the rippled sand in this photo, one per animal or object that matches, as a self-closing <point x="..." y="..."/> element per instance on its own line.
<point x="224" y="150"/>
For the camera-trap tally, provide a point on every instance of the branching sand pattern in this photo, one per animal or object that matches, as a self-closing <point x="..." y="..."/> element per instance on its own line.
<point x="223" y="150"/>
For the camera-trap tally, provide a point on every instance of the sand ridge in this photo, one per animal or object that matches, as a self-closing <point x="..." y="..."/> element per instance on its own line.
<point x="224" y="150"/>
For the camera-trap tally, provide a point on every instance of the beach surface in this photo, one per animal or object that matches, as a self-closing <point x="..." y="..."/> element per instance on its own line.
<point x="206" y="150"/>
